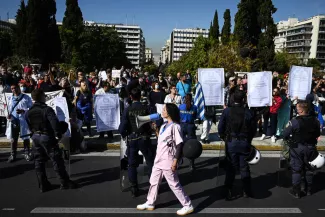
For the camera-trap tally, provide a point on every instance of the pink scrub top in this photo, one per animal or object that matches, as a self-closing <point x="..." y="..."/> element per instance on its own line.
<point x="165" y="155"/>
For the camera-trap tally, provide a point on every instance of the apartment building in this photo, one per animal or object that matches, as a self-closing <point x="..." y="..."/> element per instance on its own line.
<point x="182" y="41"/>
<point x="305" y="39"/>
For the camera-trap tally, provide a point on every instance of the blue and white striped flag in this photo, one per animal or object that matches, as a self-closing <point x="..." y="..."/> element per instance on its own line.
<point x="199" y="100"/>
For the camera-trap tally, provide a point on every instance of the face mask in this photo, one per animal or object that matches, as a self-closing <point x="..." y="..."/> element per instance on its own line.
<point x="22" y="89"/>
<point x="156" y="86"/>
<point x="124" y="75"/>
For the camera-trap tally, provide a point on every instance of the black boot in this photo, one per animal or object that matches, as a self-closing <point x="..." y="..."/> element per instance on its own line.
<point x="45" y="186"/>
<point x="68" y="185"/>
<point x="295" y="191"/>
<point x="309" y="190"/>
<point x="228" y="193"/>
<point x="134" y="191"/>
<point x="247" y="191"/>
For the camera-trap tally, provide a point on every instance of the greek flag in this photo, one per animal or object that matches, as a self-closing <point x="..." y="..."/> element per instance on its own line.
<point x="199" y="100"/>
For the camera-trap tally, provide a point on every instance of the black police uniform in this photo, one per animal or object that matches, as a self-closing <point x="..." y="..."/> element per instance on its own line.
<point x="137" y="139"/>
<point x="237" y="127"/>
<point x="303" y="131"/>
<point x="44" y="124"/>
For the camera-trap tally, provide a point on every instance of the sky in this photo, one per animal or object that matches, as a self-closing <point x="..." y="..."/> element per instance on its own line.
<point x="158" y="18"/>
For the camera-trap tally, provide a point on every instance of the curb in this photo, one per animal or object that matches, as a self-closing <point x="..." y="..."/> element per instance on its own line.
<point x="116" y="146"/>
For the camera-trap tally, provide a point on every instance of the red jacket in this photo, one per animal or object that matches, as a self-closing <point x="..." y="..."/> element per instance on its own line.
<point x="276" y="104"/>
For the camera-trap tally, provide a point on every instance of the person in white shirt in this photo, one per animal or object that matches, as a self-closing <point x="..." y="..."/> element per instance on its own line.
<point x="106" y="89"/>
<point x="173" y="97"/>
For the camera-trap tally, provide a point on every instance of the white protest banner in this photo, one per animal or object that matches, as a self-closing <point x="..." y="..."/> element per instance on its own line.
<point x="49" y="100"/>
<point x="107" y="112"/>
<point x="62" y="112"/>
<point x="212" y="81"/>
<point x="259" y="89"/>
<point x="300" y="80"/>
<point x="115" y="73"/>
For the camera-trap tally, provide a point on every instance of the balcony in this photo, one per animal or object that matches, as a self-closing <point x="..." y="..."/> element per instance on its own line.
<point x="132" y="52"/>
<point x="133" y="47"/>
<point x="299" y="45"/>
<point x="297" y="51"/>
<point x="299" y="33"/>
<point x="133" y="57"/>
<point x="133" y="42"/>
<point x="298" y="39"/>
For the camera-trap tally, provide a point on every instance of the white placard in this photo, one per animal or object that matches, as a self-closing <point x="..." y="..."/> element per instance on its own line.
<point x="159" y="109"/>
<point x="116" y="73"/>
<point x="62" y="112"/>
<point x="107" y="112"/>
<point x="259" y="89"/>
<point x="213" y="82"/>
<point x="300" y="79"/>
<point x="50" y="96"/>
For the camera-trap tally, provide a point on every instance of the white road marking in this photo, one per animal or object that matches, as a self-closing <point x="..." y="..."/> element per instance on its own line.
<point x="66" y="210"/>
<point x="8" y="209"/>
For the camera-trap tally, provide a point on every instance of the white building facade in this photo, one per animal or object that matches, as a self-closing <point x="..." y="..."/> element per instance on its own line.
<point x="182" y="41"/>
<point x="133" y="37"/>
<point x="165" y="53"/>
<point x="305" y="39"/>
<point x="149" y="54"/>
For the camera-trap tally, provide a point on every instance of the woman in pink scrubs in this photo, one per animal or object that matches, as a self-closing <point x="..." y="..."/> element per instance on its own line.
<point x="169" y="151"/>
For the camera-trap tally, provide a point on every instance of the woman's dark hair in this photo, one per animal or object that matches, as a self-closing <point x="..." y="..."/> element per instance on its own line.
<point x="188" y="101"/>
<point x="173" y="112"/>
<point x="171" y="86"/>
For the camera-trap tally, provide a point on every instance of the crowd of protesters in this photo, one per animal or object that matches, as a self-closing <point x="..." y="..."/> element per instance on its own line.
<point x="158" y="88"/>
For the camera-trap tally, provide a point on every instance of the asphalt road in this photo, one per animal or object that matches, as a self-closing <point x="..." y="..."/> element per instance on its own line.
<point x="100" y="193"/>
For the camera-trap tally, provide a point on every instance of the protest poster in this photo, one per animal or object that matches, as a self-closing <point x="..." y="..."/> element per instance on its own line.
<point x="300" y="80"/>
<point x="259" y="89"/>
<point x="213" y="82"/>
<point x="115" y="73"/>
<point x="49" y="100"/>
<point x="62" y="112"/>
<point x="107" y="112"/>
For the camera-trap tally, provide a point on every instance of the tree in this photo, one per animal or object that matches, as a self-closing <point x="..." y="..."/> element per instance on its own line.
<point x="247" y="29"/>
<point x="36" y="31"/>
<point x="5" y="45"/>
<point x="283" y="61"/>
<point x="226" y="29"/>
<point x="266" y="45"/>
<point x="53" y="35"/>
<point x="210" y="30"/>
<point x="20" y="40"/>
<point x="71" y="31"/>
<point x="214" y="31"/>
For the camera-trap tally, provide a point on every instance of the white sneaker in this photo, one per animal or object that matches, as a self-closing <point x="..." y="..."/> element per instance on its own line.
<point x="185" y="210"/>
<point x="145" y="206"/>
<point x="262" y="137"/>
<point x="273" y="139"/>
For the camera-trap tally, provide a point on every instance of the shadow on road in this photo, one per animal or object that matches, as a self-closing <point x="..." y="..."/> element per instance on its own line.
<point x="15" y="170"/>
<point x="97" y="176"/>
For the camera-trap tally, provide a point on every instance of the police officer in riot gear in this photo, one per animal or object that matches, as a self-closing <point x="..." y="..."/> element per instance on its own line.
<point x="237" y="128"/>
<point x="303" y="131"/>
<point x="45" y="128"/>
<point x="137" y="139"/>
